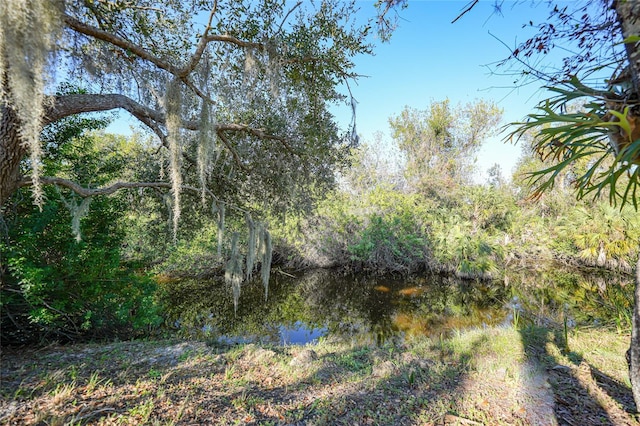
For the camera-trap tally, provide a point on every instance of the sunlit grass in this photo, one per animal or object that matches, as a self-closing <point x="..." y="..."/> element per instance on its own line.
<point x="493" y="375"/>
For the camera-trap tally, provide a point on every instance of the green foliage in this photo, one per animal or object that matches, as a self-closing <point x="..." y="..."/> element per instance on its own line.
<point x="440" y="142"/>
<point x="57" y="287"/>
<point x="387" y="234"/>
<point x="603" y="234"/>
<point x="389" y="243"/>
<point x="471" y="253"/>
<point x="590" y="134"/>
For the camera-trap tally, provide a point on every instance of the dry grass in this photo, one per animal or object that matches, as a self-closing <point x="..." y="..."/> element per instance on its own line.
<point x="491" y="376"/>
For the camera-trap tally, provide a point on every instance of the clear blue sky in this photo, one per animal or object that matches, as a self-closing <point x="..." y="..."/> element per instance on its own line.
<point x="430" y="59"/>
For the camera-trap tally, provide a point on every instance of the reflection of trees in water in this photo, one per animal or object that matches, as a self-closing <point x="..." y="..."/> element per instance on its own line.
<point x="380" y="308"/>
<point x="349" y="305"/>
<point x="450" y="303"/>
<point x="199" y="309"/>
<point x="586" y="297"/>
<point x="377" y="309"/>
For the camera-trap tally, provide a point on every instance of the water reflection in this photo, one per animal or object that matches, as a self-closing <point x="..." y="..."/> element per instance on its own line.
<point x="581" y="297"/>
<point x="321" y="303"/>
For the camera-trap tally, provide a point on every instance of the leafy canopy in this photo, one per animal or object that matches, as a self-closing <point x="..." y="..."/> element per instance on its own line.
<point x="237" y="92"/>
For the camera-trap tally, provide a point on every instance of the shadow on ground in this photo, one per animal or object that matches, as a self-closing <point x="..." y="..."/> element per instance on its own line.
<point x="583" y="395"/>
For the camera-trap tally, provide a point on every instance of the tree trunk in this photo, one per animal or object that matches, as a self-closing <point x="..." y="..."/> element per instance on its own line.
<point x="11" y="153"/>
<point x="628" y="12"/>
<point x="634" y="349"/>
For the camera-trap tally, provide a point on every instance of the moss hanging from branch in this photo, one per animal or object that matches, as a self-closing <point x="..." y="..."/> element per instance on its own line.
<point x="205" y="145"/>
<point x="252" y="243"/>
<point x="77" y="211"/>
<point x="28" y="31"/>
<point x="233" y="274"/>
<point x="161" y="174"/>
<point x="220" y="209"/>
<point x="250" y="73"/>
<point x="173" y="103"/>
<point x="265" y="251"/>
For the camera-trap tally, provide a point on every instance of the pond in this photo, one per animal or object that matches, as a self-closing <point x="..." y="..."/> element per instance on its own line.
<point x="303" y="307"/>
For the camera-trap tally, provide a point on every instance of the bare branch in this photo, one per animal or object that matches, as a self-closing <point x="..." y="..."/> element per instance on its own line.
<point x="467" y="9"/>
<point x="287" y="17"/>
<point x="107" y="190"/>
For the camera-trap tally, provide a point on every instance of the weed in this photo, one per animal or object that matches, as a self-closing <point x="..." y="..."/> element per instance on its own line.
<point x="229" y="372"/>
<point x="94" y="381"/>
<point x="143" y="410"/>
<point x="185" y="355"/>
<point x="154" y="374"/>
<point x="73" y="372"/>
<point x="62" y="393"/>
<point x="356" y="360"/>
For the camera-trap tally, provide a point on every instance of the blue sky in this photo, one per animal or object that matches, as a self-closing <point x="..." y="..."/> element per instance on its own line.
<point x="430" y="59"/>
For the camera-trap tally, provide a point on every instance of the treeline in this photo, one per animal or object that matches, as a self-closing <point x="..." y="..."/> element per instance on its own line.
<point x="412" y="204"/>
<point x="100" y="267"/>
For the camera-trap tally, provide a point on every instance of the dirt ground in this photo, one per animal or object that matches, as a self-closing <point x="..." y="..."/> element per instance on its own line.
<point x="488" y="376"/>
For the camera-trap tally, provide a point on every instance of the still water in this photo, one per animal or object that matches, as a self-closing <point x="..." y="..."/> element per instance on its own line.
<point x="303" y="307"/>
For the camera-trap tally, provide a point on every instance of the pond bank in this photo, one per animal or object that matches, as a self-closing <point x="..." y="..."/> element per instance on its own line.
<point x="493" y="376"/>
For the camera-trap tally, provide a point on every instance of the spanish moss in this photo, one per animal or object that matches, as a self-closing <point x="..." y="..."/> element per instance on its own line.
<point x="221" y="214"/>
<point x="173" y="103"/>
<point x="265" y="251"/>
<point x="251" y="245"/>
<point x="205" y="145"/>
<point x="28" y="30"/>
<point x="77" y="211"/>
<point x="233" y="273"/>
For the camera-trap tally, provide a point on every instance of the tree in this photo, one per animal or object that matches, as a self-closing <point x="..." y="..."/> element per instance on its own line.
<point x="237" y="90"/>
<point x="605" y="132"/>
<point x="440" y="143"/>
<point x="57" y="285"/>
<point x="374" y="164"/>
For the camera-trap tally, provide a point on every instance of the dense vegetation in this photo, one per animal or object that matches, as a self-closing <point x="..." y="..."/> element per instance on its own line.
<point x="72" y="274"/>
<point x="246" y="156"/>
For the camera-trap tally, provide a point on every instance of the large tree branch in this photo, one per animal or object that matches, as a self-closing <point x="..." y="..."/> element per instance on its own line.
<point x="66" y="105"/>
<point x="91" y="192"/>
<point x="107" y="190"/>
<point x="111" y="38"/>
<point x="142" y="53"/>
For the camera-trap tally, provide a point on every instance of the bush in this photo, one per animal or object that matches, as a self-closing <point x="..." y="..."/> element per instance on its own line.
<point x="54" y="285"/>
<point x="58" y="288"/>
<point x="390" y="243"/>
